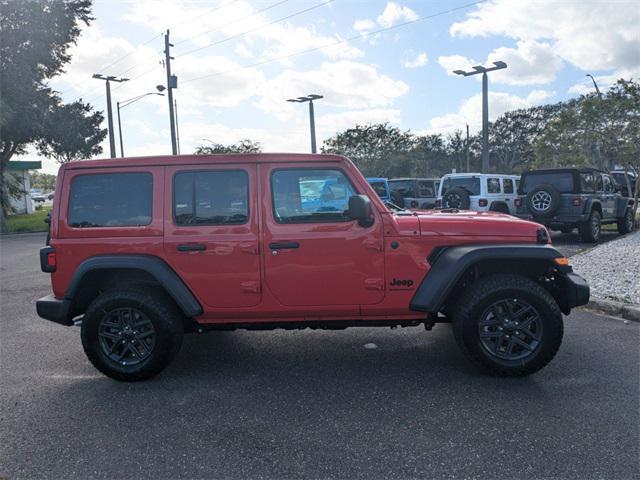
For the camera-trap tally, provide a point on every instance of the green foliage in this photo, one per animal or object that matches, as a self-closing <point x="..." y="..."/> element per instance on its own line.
<point x="13" y="187"/>
<point x="35" y="37"/>
<point x="44" y="181"/>
<point x="33" y="222"/>
<point x="244" y="146"/>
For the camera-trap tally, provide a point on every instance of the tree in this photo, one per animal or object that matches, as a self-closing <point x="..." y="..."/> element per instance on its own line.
<point x="72" y="133"/>
<point x="43" y="181"/>
<point x="244" y="146"/>
<point x="35" y="37"/>
<point x="377" y="150"/>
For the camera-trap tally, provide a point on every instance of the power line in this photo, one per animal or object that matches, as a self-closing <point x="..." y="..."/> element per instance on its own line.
<point x="338" y="42"/>
<point x="269" y="7"/>
<point x="295" y="14"/>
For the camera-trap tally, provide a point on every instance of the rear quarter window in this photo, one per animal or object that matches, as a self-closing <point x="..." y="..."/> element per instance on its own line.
<point x="562" y="181"/>
<point x="111" y="200"/>
<point x="470" y="184"/>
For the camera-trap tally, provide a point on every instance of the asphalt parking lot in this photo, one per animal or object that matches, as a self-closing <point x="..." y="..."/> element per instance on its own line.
<point x="569" y="244"/>
<point x="310" y="404"/>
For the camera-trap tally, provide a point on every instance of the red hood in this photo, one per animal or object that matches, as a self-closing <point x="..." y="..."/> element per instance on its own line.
<point x="466" y="223"/>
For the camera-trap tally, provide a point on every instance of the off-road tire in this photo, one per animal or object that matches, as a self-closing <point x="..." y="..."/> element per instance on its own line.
<point x="460" y="198"/>
<point x="588" y="232"/>
<point x="551" y="200"/>
<point x="625" y="224"/>
<point x="159" y="309"/>
<point x="488" y="290"/>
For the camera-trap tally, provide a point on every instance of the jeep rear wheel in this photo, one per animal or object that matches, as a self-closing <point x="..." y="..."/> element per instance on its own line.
<point x="131" y="334"/>
<point x="508" y="325"/>
<point x="590" y="230"/>
<point x="625" y="224"/>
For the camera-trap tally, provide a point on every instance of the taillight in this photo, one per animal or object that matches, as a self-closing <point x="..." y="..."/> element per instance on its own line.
<point x="518" y="202"/>
<point x="483" y="202"/>
<point x="577" y="202"/>
<point x="414" y="204"/>
<point x="48" y="260"/>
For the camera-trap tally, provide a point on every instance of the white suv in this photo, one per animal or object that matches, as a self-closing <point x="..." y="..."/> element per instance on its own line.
<point x="479" y="191"/>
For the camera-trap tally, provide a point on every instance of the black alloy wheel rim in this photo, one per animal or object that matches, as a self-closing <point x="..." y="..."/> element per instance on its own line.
<point x="510" y="330"/>
<point x="126" y="336"/>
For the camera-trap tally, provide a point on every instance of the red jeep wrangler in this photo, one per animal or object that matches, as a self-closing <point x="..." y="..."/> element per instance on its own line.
<point x="143" y="250"/>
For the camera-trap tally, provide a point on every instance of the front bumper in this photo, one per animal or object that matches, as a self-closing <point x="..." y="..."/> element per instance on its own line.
<point x="577" y="290"/>
<point x="55" y="310"/>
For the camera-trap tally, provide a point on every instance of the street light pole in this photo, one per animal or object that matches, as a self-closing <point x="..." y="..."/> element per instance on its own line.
<point x="126" y="103"/>
<point x="594" y="84"/>
<point x="172" y="82"/>
<point x="108" y="80"/>
<point x="467" y="148"/>
<point x="312" y="120"/>
<point x="485" y="105"/>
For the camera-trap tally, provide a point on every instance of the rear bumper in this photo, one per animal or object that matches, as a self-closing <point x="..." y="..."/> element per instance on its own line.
<point x="555" y="221"/>
<point x="577" y="290"/>
<point x="55" y="310"/>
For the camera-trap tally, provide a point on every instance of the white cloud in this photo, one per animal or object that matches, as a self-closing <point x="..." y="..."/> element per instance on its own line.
<point x="415" y="61"/>
<point x="530" y="63"/>
<point x="470" y="111"/>
<point x="344" y="84"/>
<point x="593" y="36"/>
<point x="395" y="13"/>
<point x="364" y="25"/>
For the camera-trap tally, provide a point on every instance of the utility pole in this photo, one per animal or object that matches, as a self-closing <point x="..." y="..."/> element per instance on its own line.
<point x="120" y="130"/>
<point x="312" y="120"/>
<point x="485" y="106"/>
<point x="598" y="150"/>
<point x="467" y="148"/>
<point x="108" y="80"/>
<point x="172" y="82"/>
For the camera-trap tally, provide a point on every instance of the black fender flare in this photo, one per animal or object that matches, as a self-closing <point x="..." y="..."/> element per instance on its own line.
<point x="154" y="266"/>
<point x="449" y="264"/>
<point x="593" y="205"/>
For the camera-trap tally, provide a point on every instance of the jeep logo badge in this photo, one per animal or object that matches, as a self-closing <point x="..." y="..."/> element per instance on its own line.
<point x="396" y="282"/>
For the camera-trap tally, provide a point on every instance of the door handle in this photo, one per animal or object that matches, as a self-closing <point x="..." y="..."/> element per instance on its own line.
<point x="283" y="245"/>
<point x="192" y="247"/>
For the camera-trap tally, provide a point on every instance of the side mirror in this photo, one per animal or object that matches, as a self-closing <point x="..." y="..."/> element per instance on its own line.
<point x="360" y="209"/>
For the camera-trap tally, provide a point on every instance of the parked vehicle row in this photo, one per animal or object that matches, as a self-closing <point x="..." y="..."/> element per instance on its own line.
<point x="562" y="199"/>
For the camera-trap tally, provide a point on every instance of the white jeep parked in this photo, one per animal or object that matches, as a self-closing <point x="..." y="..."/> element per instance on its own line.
<point x="478" y="191"/>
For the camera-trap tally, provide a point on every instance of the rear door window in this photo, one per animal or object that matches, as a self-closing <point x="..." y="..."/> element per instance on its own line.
<point x="211" y="197"/>
<point x="406" y="188"/>
<point x="426" y="188"/>
<point x="507" y="185"/>
<point x="111" y="200"/>
<point x="608" y="184"/>
<point x="587" y="183"/>
<point x="599" y="184"/>
<point x="493" y="185"/>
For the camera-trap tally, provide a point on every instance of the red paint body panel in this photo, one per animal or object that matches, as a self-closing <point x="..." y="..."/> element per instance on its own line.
<point x="341" y="270"/>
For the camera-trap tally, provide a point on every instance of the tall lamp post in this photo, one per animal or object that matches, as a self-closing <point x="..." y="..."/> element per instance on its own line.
<point x="126" y="103"/>
<point x="595" y="85"/>
<point x="108" y="79"/>
<point x="312" y="121"/>
<point x="485" y="105"/>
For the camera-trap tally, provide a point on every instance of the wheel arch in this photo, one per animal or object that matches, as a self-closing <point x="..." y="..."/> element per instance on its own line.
<point x="97" y="274"/>
<point x="454" y="268"/>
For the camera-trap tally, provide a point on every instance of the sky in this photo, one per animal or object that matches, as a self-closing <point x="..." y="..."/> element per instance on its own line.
<point x="238" y="61"/>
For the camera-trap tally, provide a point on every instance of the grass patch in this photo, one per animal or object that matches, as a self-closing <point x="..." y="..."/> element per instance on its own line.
<point x="28" y="223"/>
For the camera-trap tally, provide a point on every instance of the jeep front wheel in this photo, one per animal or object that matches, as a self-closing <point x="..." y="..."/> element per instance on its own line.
<point x="131" y="334"/>
<point x="590" y="230"/>
<point x="508" y="325"/>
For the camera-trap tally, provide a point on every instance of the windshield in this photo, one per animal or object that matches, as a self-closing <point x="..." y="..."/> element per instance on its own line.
<point x="380" y="188"/>
<point x="470" y="184"/>
<point x="562" y="181"/>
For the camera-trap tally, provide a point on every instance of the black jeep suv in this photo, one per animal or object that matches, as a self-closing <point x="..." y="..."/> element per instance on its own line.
<point x="568" y="198"/>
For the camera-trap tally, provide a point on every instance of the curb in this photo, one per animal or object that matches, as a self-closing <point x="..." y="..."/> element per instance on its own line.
<point x="615" y="309"/>
<point x="21" y="234"/>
